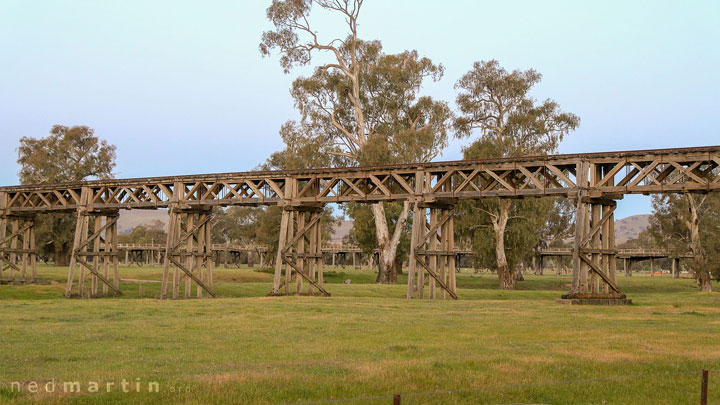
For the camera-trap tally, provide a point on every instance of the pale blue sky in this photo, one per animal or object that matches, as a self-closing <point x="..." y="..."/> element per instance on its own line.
<point x="180" y="87"/>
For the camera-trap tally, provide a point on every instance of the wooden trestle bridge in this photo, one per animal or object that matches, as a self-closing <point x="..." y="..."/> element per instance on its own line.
<point x="230" y="254"/>
<point x="628" y="256"/>
<point x="595" y="181"/>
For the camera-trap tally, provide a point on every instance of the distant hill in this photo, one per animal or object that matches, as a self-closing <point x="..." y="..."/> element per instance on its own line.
<point x="340" y="231"/>
<point x="630" y="227"/>
<point x="129" y="219"/>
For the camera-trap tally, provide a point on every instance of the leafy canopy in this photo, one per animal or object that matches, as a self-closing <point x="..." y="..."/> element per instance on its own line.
<point x="497" y="103"/>
<point x="400" y="126"/>
<point x="69" y="154"/>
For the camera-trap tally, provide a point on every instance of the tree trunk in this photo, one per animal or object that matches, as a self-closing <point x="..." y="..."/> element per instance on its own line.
<point x="62" y="256"/>
<point x="702" y="276"/>
<point x="505" y="274"/>
<point x="703" y="281"/>
<point x="398" y="267"/>
<point x="387" y="245"/>
<point x="538" y="265"/>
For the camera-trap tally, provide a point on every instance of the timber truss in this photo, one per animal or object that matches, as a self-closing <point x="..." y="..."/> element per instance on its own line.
<point x="94" y="256"/>
<point x="300" y="253"/>
<point x="594" y="181"/>
<point x="189" y="253"/>
<point x="17" y="249"/>
<point x="432" y="251"/>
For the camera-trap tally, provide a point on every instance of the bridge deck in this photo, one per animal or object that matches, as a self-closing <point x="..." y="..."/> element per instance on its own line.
<point x="630" y="172"/>
<point x="621" y="253"/>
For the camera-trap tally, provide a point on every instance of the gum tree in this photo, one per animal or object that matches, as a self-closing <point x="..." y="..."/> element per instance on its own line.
<point x="361" y="107"/>
<point x="68" y="154"/>
<point x="495" y="105"/>
<point x="690" y="224"/>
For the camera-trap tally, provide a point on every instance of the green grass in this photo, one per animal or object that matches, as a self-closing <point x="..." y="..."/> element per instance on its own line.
<point x="365" y="341"/>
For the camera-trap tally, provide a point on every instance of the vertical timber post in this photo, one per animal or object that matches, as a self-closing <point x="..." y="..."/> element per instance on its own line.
<point x="80" y="227"/>
<point x="170" y="242"/>
<point x="14" y="227"/>
<point x="93" y="245"/>
<point x="579" y="269"/>
<point x="299" y="244"/>
<point x="33" y="250"/>
<point x="284" y="220"/>
<point x="432" y="245"/>
<point x="417" y="225"/>
<point x="594" y="253"/>
<point x="432" y="249"/>
<point x="3" y="229"/>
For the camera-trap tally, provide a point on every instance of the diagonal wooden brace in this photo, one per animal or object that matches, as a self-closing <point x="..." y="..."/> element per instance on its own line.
<point x="10" y="264"/>
<point x="190" y="233"/>
<point x="434" y="228"/>
<point x="309" y="280"/>
<point x="14" y="234"/>
<point x="435" y="276"/>
<point x="597" y="227"/>
<point x="301" y="233"/>
<point x="599" y="272"/>
<point x="192" y="276"/>
<point x="98" y="275"/>
<point x="96" y="235"/>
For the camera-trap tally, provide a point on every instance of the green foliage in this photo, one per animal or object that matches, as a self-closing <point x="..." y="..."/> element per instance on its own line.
<point x="400" y="125"/>
<point x="670" y="228"/>
<point x="510" y="123"/>
<point x="363" y="231"/>
<point x="362" y="108"/>
<point x="68" y="154"/>
<point x="290" y="18"/>
<point x="300" y="151"/>
<point x="235" y="224"/>
<point x="497" y="103"/>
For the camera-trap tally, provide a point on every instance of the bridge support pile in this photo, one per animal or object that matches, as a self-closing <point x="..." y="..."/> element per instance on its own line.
<point x="300" y="253"/>
<point x="233" y="256"/>
<point x="17" y="249"/>
<point x="594" y="263"/>
<point x="189" y="253"/>
<point x="94" y="253"/>
<point x="432" y="251"/>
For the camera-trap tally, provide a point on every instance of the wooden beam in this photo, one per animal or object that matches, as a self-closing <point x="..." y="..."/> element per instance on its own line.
<point x="599" y="272"/>
<point x="99" y="276"/>
<point x="189" y="273"/>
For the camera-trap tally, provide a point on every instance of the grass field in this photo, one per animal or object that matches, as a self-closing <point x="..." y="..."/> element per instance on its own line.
<point x="366" y="341"/>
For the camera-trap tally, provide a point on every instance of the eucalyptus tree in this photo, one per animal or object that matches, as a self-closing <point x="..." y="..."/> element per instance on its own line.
<point x="496" y="105"/>
<point x="690" y="224"/>
<point x="360" y="107"/>
<point x="68" y="154"/>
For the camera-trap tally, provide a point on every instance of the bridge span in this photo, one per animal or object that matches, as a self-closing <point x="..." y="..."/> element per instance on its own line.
<point x="595" y="181"/>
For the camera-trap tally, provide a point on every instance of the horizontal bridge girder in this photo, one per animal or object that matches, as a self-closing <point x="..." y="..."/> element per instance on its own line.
<point x="619" y="173"/>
